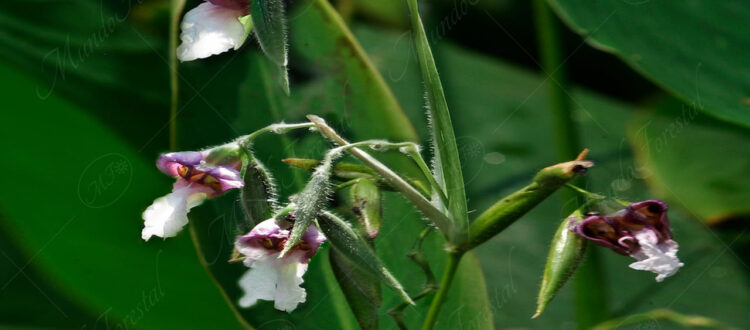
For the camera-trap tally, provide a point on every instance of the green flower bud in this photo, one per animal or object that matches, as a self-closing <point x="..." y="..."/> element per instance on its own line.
<point x="365" y="199"/>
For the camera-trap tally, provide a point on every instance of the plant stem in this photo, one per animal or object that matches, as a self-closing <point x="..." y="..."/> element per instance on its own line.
<point x="454" y="258"/>
<point x="276" y="128"/>
<point x="590" y="297"/>
<point x="396" y="181"/>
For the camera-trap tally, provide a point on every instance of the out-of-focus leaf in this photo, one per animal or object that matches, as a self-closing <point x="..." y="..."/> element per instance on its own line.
<point x="361" y="289"/>
<point x="701" y="53"/>
<point x="93" y="52"/>
<point x="269" y="20"/>
<point x="72" y="180"/>
<point x="693" y="160"/>
<point x="504" y="139"/>
<point x="28" y="299"/>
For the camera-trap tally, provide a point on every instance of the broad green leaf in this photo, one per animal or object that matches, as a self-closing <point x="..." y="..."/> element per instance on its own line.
<point x="75" y="213"/>
<point x="92" y="53"/>
<point x="28" y="299"/>
<point x="447" y="165"/>
<point x="504" y="141"/>
<point x="697" y="50"/>
<point x="693" y="161"/>
<point x="269" y="21"/>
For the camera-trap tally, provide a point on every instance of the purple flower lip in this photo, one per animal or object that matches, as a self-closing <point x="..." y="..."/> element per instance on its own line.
<point x="269" y="237"/>
<point x="617" y="231"/>
<point x="188" y="166"/>
<point x="232" y="4"/>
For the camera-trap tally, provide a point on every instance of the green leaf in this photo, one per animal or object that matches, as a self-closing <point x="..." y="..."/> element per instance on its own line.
<point x="709" y="181"/>
<point x="75" y="213"/>
<point x="447" y="163"/>
<point x="269" y="20"/>
<point x="356" y="249"/>
<point x="362" y="290"/>
<point x="691" y="54"/>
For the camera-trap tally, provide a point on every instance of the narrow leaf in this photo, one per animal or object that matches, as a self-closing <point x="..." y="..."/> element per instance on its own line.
<point x="344" y="239"/>
<point x="270" y="28"/>
<point x="447" y="163"/>
<point x="362" y="290"/>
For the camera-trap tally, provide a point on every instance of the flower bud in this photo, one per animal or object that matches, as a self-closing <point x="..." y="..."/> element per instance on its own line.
<point x="365" y="199"/>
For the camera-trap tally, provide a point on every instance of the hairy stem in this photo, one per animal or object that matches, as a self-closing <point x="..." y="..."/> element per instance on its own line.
<point x="396" y="181"/>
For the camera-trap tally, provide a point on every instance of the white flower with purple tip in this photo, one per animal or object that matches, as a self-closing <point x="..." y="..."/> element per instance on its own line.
<point x="270" y="277"/>
<point x="197" y="180"/>
<point x="211" y="28"/>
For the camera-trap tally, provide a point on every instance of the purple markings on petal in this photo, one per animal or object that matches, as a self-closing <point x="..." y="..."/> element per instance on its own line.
<point x="228" y="177"/>
<point x="653" y="213"/>
<point x="190" y="167"/>
<point x="617" y="231"/>
<point x="171" y="163"/>
<point x="232" y="4"/>
<point x="268" y="238"/>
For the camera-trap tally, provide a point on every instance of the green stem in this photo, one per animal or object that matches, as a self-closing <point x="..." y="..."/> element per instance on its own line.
<point x="396" y="181"/>
<point x="275" y="128"/>
<point x="176" y="7"/>
<point x="553" y="67"/>
<point x="590" y="297"/>
<point x="445" y="284"/>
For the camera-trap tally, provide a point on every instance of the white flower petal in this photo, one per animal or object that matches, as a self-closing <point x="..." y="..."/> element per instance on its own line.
<point x="274" y="279"/>
<point x="660" y="258"/>
<point x="259" y="283"/>
<point x="209" y="30"/>
<point x="289" y="294"/>
<point x="168" y="214"/>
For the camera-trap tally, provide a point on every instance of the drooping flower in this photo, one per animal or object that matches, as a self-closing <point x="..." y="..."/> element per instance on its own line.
<point x="641" y="231"/>
<point x="211" y="28"/>
<point x="270" y="277"/>
<point x="200" y="175"/>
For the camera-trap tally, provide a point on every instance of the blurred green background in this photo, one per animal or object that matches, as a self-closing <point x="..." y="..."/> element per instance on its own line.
<point x="660" y="89"/>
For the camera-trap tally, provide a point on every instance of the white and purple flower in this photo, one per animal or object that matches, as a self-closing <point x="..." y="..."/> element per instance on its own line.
<point x="641" y="231"/>
<point x="270" y="277"/>
<point x="211" y="28"/>
<point x="198" y="178"/>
